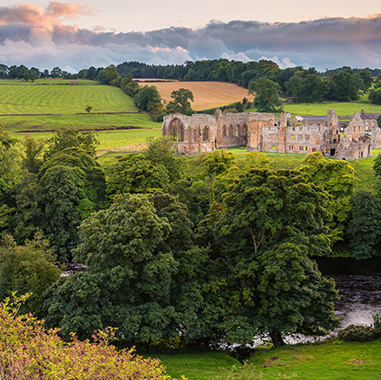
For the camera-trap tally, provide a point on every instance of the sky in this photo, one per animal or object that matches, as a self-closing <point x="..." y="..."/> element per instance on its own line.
<point x="75" y="35"/>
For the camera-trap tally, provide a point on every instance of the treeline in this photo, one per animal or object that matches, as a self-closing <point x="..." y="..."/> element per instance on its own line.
<point x="220" y="253"/>
<point x="298" y="84"/>
<point x="303" y="85"/>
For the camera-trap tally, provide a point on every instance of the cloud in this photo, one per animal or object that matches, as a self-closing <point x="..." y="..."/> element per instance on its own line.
<point x="32" y="35"/>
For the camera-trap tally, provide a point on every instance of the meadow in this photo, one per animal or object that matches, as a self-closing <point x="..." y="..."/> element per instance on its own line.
<point x="206" y="94"/>
<point x="329" y="360"/>
<point x="66" y="99"/>
<point x="344" y="109"/>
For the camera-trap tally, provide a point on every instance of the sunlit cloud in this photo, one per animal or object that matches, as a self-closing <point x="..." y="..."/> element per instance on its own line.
<point x="37" y="36"/>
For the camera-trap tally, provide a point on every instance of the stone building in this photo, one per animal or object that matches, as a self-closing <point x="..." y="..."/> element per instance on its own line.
<point x="266" y="133"/>
<point x="370" y="121"/>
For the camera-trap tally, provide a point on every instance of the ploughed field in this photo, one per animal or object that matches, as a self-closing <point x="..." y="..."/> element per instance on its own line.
<point x="206" y="94"/>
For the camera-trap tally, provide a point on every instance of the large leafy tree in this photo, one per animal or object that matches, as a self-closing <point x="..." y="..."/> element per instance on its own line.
<point x="266" y="95"/>
<point x="143" y="273"/>
<point x="181" y="101"/>
<point x="59" y="201"/>
<point x="89" y="177"/>
<point x="264" y="232"/>
<point x="28" y="268"/>
<point x="364" y="227"/>
<point x="337" y="178"/>
<point x="69" y="138"/>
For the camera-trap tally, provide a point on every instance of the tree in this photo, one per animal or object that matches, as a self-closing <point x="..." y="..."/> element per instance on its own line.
<point x="337" y="178"/>
<point x="162" y="151"/>
<point x="181" y="102"/>
<point x="217" y="162"/>
<point x="33" y="149"/>
<point x="266" y="95"/>
<point x="59" y="203"/>
<point x="364" y="227"/>
<point x="366" y="76"/>
<point x="307" y="88"/>
<point x="71" y="137"/>
<point x="134" y="173"/>
<point x="28" y="268"/>
<point x="143" y="273"/>
<point x="88" y="108"/>
<point x="146" y="97"/>
<point x="29" y="351"/>
<point x="88" y="176"/>
<point x="375" y="96"/>
<point x="268" y="226"/>
<point x="342" y="87"/>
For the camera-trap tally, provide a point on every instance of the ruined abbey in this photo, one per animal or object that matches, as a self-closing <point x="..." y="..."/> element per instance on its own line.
<point x="266" y="133"/>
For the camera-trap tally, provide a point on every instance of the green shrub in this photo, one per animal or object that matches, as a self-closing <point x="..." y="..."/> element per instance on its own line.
<point x="355" y="333"/>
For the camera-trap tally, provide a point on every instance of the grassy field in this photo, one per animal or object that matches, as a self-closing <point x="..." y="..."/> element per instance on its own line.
<point x="53" y="99"/>
<point x="45" y="81"/>
<point x="206" y="94"/>
<point x="20" y="97"/>
<point x="334" y="360"/>
<point x="320" y="109"/>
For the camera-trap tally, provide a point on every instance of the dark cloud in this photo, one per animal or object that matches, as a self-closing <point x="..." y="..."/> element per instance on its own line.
<point x="33" y="35"/>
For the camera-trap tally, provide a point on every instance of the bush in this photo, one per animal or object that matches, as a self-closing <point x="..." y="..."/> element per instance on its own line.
<point x="355" y="333"/>
<point x="28" y="351"/>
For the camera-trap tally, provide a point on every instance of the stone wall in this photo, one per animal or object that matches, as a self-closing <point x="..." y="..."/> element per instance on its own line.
<point x="264" y="132"/>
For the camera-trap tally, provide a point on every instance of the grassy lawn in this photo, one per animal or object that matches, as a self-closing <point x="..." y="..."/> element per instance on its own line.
<point x="320" y="109"/>
<point x="331" y="360"/>
<point x="46" y="81"/>
<point x="90" y="121"/>
<point x="53" y="99"/>
<point x="334" y="360"/>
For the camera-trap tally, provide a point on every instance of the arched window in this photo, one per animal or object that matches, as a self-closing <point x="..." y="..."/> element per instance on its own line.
<point x="205" y="134"/>
<point x="230" y="130"/>
<point x="176" y="129"/>
<point x="224" y="131"/>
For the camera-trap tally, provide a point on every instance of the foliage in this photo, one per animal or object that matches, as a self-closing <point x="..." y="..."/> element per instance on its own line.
<point x="375" y="96"/>
<point x="143" y="274"/>
<point x="135" y="173"/>
<point x="337" y="178"/>
<point x="364" y="227"/>
<point x="357" y="333"/>
<point x="10" y="163"/>
<point x="146" y="97"/>
<point x="28" y="268"/>
<point x="256" y="160"/>
<point x="28" y="351"/>
<point x="89" y="178"/>
<point x="217" y="162"/>
<point x="162" y="151"/>
<point x="59" y="202"/>
<point x="33" y="149"/>
<point x="69" y="138"/>
<point x="181" y="102"/>
<point x="377" y="321"/>
<point x="108" y="75"/>
<point x="342" y="87"/>
<point x="269" y="224"/>
<point x="306" y="88"/>
<point x="379" y="121"/>
<point x="266" y="95"/>
<point x="88" y="108"/>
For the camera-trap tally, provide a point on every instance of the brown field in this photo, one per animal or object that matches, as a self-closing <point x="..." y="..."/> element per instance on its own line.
<point x="206" y="94"/>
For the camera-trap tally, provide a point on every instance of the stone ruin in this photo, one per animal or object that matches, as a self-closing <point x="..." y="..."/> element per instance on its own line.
<point x="266" y="133"/>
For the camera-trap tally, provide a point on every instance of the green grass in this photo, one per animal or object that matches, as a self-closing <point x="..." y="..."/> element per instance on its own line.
<point x="197" y="366"/>
<point x="53" y="99"/>
<point x="89" y="121"/>
<point x="320" y="109"/>
<point x="335" y="360"/>
<point x="330" y="360"/>
<point x="45" y="81"/>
